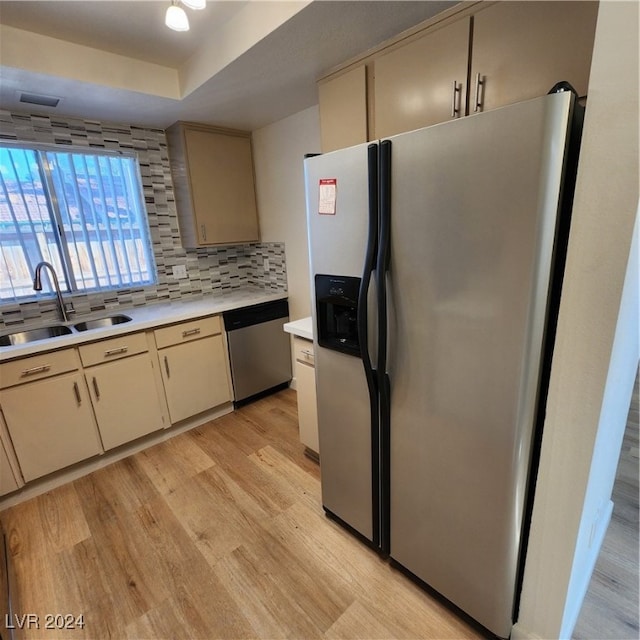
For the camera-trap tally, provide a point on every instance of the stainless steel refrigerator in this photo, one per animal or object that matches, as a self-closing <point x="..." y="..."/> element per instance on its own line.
<point x="432" y="261"/>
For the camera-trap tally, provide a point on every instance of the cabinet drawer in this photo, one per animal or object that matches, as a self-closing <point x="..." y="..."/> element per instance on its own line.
<point x="112" y="349"/>
<point x="186" y="331"/>
<point x="303" y="350"/>
<point x="38" y="366"/>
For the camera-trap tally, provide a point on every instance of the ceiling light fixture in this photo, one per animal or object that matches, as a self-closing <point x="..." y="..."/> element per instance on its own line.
<point x="195" y="4"/>
<point x="176" y="18"/>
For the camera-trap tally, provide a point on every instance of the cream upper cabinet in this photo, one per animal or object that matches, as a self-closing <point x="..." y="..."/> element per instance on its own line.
<point x="48" y="412"/>
<point x="213" y="179"/>
<point x="125" y="397"/>
<point x="488" y="55"/>
<point x="194" y="365"/>
<point x="422" y="82"/>
<point x="343" y="109"/>
<point x="522" y="49"/>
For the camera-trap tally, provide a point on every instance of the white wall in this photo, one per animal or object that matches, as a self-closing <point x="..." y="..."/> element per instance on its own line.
<point x="278" y="152"/>
<point x="596" y="353"/>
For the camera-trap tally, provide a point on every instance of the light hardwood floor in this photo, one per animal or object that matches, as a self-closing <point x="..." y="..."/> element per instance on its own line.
<point x="217" y="533"/>
<point x="610" y="609"/>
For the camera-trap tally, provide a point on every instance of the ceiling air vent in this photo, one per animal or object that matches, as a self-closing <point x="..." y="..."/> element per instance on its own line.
<point x="43" y="101"/>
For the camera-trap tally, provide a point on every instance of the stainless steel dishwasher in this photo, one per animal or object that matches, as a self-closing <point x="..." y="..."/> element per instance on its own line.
<point x="259" y="349"/>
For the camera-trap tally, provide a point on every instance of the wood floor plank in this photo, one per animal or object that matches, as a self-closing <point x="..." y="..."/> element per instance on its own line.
<point x="272" y="611"/>
<point x="272" y="495"/>
<point x="215" y="524"/>
<point x="182" y="569"/>
<point x="242" y="434"/>
<point x="359" y="623"/>
<point x="127" y="566"/>
<point x="120" y="487"/>
<point x="171" y="463"/>
<point x="278" y="418"/>
<point x="175" y="618"/>
<point x="290" y="573"/>
<point x="87" y="592"/>
<point x="38" y="591"/>
<point x="287" y="474"/>
<point x="46" y="524"/>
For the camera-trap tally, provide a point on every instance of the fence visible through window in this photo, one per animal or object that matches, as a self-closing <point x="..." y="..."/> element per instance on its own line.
<point x="82" y="212"/>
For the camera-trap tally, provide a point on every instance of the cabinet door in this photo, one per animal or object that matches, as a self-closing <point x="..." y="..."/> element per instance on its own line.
<point x="51" y="424"/>
<point x="220" y="170"/>
<point x="414" y="83"/>
<point x="522" y="49"/>
<point x="125" y="399"/>
<point x="195" y="376"/>
<point x="343" y="109"/>
<point x="8" y="481"/>
<point x="307" y="412"/>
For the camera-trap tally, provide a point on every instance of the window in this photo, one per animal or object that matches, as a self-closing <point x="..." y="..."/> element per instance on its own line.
<point x="81" y="211"/>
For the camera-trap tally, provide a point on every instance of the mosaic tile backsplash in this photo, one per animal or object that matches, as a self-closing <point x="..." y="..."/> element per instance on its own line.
<point x="210" y="271"/>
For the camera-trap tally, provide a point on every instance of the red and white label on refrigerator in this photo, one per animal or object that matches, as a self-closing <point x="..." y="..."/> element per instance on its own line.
<point x="327" y="198"/>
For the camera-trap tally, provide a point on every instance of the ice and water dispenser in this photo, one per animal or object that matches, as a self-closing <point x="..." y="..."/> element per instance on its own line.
<point x="336" y="313"/>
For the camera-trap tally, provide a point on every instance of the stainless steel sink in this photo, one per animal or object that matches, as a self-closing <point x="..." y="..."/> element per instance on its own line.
<point x="101" y="323"/>
<point x="31" y="335"/>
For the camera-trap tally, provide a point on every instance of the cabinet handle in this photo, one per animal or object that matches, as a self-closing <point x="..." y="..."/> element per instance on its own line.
<point x="479" y="88"/>
<point x="95" y="388"/>
<point x="203" y="229"/>
<point x="34" y="370"/>
<point x="166" y="366"/>
<point x="307" y="353"/>
<point x="115" y="352"/>
<point x="76" y="390"/>
<point x="456" y="99"/>
<point x="190" y="332"/>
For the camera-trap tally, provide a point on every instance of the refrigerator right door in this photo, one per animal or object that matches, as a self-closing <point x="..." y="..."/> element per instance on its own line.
<point x="474" y="209"/>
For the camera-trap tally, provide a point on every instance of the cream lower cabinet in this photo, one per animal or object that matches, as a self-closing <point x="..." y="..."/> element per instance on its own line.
<point x="124" y="394"/>
<point x="194" y="365"/>
<point x="8" y="480"/>
<point x="48" y="412"/>
<point x="306" y="391"/>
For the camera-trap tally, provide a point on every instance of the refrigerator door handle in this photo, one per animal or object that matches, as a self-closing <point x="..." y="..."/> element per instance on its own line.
<point x="363" y="326"/>
<point x="362" y="317"/>
<point x="382" y="268"/>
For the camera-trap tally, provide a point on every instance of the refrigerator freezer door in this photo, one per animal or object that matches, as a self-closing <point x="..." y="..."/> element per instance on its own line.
<point x="474" y="206"/>
<point x="337" y="245"/>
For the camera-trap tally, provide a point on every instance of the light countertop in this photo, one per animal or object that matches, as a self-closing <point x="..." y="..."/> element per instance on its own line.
<point x="142" y="318"/>
<point x="302" y="328"/>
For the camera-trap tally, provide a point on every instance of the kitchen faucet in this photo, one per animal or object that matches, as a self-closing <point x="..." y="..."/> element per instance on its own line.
<point x="37" y="286"/>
